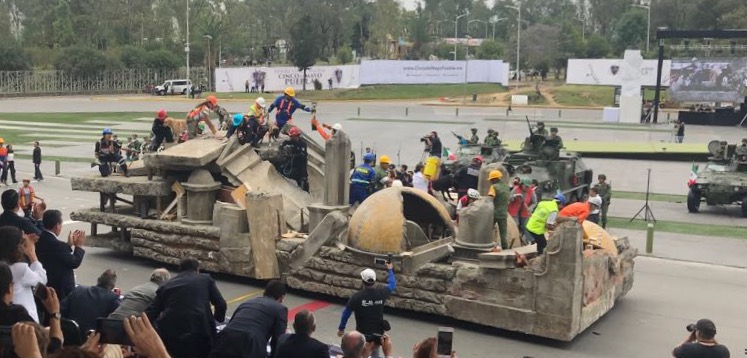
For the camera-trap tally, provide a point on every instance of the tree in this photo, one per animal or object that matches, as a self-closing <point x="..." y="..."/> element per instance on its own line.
<point x="81" y="62"/>
<point x="597" y="47"/>
<point x="162" y="60"/>
<point x="304" y="44"/>
<point x="12" y="58"/>
<point x="344" y="55"/>
<point x="630" y="30"/>
<point x="133" y="57"/>
<point x="490" y="50"/>
<point x="62" y="25"/>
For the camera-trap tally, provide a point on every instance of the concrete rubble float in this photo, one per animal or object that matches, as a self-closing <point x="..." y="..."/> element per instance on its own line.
<point x="227" y="206"/>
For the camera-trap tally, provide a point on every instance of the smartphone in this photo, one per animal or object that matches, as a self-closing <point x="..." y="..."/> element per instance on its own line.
<point x="445" y="339"/>
<point x="6" y="341"/>
<point x="379" y="261"/>
<point x="376" y="338"/>
<point x="112" y="331"/>
<point x="40" y="291"/>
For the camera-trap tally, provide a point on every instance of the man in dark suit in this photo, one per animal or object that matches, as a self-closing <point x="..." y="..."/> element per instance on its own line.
<point x="86" y="303"/>
<point x="57" y="257"/>
<point x="37" y="159"/>
<point x="10" y="217"/>
<point x="181" y="311"/>
<point x="253" y="324"/>
<point x="300" y="344"/>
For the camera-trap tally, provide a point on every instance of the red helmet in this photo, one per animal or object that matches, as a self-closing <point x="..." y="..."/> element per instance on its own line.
<point x="294" y="132"/>
<point x="161" y="114"/>
<point x="477" y="159"/>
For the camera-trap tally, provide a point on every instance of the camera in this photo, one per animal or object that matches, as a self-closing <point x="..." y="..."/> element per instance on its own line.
<point x="376" y="338"/>
<point x="690" y="327"/>
<point x="425" y="138"/>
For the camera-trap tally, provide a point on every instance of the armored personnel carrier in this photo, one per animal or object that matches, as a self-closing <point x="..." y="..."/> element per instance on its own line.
<point x="555" y="170"/>
<point x="723" y="180"/>
<point x="466" y="152"/>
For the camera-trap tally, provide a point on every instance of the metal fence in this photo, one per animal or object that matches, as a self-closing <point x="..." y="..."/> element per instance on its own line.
<point x="35" y="83"/>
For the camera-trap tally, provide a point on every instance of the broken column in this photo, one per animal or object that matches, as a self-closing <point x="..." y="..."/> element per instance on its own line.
<point x="201" y="189"/>
<point x="266" y="218"/>
<point x="475" y="234"/>
<point x="336" y="183"/>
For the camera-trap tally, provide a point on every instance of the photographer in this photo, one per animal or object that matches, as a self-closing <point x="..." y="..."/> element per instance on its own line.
<point x="432" y="144"/>
<point x="701" y="342"/>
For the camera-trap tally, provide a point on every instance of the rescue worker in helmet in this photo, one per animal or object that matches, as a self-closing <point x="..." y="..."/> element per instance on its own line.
<point x="250" y="126"/>
<point x="500" y="192"/>
<point x="320" y="128"/>
<point x="382" y="172"/>
<point x="201" y="113"/>
<point x="544" y="218"/>
<point x="467" y="178"/>
<point x="296" y="154"/>
<point x="161" y="131"/>
<point x="361" y="179"/>
<point x="106" y="153"/>
<point x="465" y="201"/>
<point x="286" y="104"/>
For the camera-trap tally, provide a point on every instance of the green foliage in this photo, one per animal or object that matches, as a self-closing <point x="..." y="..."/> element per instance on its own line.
<point x="162" y="60"/>
<point x="344" y="55"/>
<point x="630" y="30"/>
<point x="133" y="57"/>
<point x="81" y="62"/>
<point x="63" y="27"/>
<point x="490" y="50"/>
<point x="13" y="58"/>
<point x="305" y="43"/>
<point x="597" y="47"/>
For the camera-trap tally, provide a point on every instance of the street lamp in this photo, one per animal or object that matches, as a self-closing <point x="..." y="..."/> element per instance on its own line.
<point x="483" y="21"/>
<point x="494" y="20"/>
<point x="648" y="29"/>
<point x="518" y="41"/>
<point x="209" y="62"/>
<point x="186" y="47"/>
<point x="456" y="30"/>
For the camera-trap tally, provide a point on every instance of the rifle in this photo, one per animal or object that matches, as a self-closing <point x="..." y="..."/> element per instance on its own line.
<point x="531" y="133"/>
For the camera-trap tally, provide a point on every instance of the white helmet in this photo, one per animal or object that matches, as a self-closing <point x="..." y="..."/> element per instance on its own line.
<point x="368" y="275"/>
<point x="596" y="201"/>
<point x="260" y="101"/>
<point x="473" y="194"/>
<point x="337" y="127"/>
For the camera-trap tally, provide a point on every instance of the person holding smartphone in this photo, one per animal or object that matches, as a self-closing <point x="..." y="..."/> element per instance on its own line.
<point x="368" y="306"/>
<point x="14" y="247"/>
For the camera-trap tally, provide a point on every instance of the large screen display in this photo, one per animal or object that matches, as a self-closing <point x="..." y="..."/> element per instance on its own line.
<point x="708" y="80"/>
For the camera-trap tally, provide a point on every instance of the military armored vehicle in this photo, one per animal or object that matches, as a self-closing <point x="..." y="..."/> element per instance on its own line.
<point x="466" y="152"/>
<point x="723" y="180"/>
<point x="555" y="170"/>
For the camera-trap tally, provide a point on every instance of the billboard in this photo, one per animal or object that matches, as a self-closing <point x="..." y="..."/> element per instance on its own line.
<point x="611" y="72"/>
<point x="234" y="79"/>
<point x="433" y="72"/>
<point x="708" y="80"/>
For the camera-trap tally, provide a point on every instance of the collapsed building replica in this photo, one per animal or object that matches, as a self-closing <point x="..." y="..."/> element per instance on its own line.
<point x="227" y="206"/>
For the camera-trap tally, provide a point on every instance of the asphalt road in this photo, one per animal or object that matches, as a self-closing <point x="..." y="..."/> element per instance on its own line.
<point x="667" y="294"/>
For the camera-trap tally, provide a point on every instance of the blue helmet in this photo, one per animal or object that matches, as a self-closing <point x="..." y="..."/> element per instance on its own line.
<point x="107" y="131"/>
<point x="237" y="119"/>
<point x="560" y="198"/>
<point x="369" y="157"/>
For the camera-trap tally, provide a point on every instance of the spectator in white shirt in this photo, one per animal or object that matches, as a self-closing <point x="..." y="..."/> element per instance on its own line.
<point x="13" y="247"/>
<point x="418" y="179"/>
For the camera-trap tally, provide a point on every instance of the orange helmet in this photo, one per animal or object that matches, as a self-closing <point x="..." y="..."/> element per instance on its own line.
<point x="294" y="132"/>
<point x="212" y="100"/>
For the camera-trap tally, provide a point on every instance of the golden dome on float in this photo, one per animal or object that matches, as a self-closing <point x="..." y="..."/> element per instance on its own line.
<point x="381" y="222"/>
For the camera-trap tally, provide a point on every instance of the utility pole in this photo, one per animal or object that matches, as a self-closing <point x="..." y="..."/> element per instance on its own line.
<point x="648" y="29"/>
<point x="186" y="48"/>
<point x="456" y="32"/>
<point x="518" y="42"/>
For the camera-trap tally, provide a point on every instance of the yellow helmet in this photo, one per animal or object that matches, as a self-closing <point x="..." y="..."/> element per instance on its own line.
<point x="385" y="159"/>
<point x="495" y="174"/>
<point x="290" y="91"/>
<point x="2" y="141"/>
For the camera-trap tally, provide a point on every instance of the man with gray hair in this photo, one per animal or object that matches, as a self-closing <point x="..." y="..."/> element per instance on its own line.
<point x="300" y="344"/>
<point x="139" y="298"/>
<point x="354" y="345"/>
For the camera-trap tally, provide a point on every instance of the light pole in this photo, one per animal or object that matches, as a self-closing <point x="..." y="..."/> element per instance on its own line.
<point x="186" y="47"/>
<point x="494" y="20"/>
<point x="518" y="42"/>
<point x="483" y="21"/>
<point x="456" y="32"/>
<point x="209" y="62"/>
<point x="648" y="29"/>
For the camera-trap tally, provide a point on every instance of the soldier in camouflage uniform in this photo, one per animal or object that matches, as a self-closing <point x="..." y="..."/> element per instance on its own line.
<point x="541" y="130"/>
<point x="475" y="139"/>
<point x="492" y="140"/>
<point x="605" y="191"/>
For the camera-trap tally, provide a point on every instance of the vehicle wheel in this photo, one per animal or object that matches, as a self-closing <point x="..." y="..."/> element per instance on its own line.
<point x="693" y="202"/>
<point x="744" y="206"/>
<point x="184" y="92"/>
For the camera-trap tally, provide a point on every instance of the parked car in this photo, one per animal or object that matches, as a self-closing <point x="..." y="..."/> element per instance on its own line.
<point x="173" y="87"/>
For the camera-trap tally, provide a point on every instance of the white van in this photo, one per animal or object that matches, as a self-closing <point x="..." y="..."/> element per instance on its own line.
<point x="173" y="87"/>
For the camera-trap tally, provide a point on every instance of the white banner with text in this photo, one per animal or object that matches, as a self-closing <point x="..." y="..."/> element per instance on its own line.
<point x="241" y="79"/>
<point x="610" y="72"/>
<point x="433" y="72"/>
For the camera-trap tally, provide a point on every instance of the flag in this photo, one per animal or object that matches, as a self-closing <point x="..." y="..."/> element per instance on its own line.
<point x="448" y="154"/>
<point x="693" y="174"/>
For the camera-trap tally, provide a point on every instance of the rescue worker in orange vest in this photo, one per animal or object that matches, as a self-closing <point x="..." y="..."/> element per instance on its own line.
<point x="580" y="210"/>
<point x="286" y="104"/>
<point x="320" y="128"/>
<point x="27" y="197"/>
<point x="201" y="113"/>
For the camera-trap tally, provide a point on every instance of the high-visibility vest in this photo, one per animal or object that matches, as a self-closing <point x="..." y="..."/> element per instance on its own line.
<point x="22" y="195"/>
<point x="538" y="222"/>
